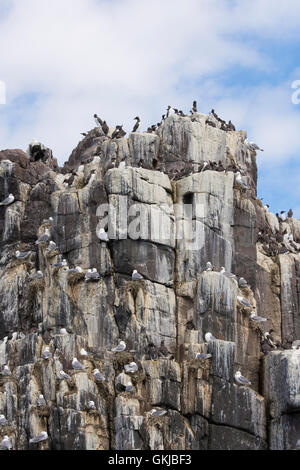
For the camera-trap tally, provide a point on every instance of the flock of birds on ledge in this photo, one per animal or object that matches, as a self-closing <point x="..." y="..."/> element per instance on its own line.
<point x="271" y="244"/>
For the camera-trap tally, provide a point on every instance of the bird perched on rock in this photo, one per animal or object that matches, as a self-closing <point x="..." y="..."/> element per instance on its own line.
<point x="23" y="255"/>
<point x="63" y="376"/>
<point x="6" y="443"/>
<point x="240" y="181"/>
<point x="282" y="216"/>
<point x="120" y="348"/>
<point x="91" y="405"/>
<point x="257" y="319"/>
<point x="195" y="107"/>
<point x="83" y="352"/>
<point x="92" y="275"/>
<point x="84" y="134"/>
<point x="243" y="283"/>
<point x="240" y="379"/>
<point x="43" y="436"/>
<point x="6" y="371"/>
<point x="46" y="354"/>
<point x="105" y="128"/>
<point x="45" y="238"/>
<point x="158" y="413"/>
<point x="269" y="338"/>
<point x="227" y="274"/>
<point x="290" y="214"/>
<point x="203" y="356"/>
<point x="61" y="264"/>
<point x="3" y="420"/>
<point x="63" y="331"/>
<point x="98" y="376"/>
<point x="209" y="337"/>
<point x="296" y="344"/>
<point x="102" y="235"/>
<point x="137" y="125"/>
<point x="98" y="121"/>
<point x="129" y="388"/>
<point x="252" y="146"/>
<point x="152" y="351"/>
<point x="8" y="201"/>
<point x="170" y="111"/>
<point x="41" y="401"/>
<point x="77" y="365"/>
<point x="76" y="270"/>
<point x="163" y="350"/>
<point x="244" y="302"/>
<point x="37" y="275"/>
<point x="209" y="266"/>
<point x="132" y="368"/>
<point x="136" y="276"/>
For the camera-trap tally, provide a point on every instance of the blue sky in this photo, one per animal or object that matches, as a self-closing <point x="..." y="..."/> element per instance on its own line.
<point x="62" y="61"/>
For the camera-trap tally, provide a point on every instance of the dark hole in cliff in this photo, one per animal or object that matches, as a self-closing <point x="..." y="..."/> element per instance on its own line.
<point x="154" y="163"/>
<point x="188" y="198"/>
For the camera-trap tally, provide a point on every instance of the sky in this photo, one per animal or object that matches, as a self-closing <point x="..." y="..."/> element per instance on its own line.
<point x="63" y="60"/>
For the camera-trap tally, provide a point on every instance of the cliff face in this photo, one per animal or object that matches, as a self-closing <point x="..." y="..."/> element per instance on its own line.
<point x="177" y="302"/>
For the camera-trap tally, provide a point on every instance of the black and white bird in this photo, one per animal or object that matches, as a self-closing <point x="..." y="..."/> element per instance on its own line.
<point x="63" y="332"/>
<point x="282" y="216"/>
<point x="131" y="368"/>
<point x="244" y="302"/>
<point x="98" y="121"/>
<point x="37" y="275"/>
<point x="103" y="236"/>
<point x="269" y="338"/>
<point x="52" y="246"/>
<point x="137" y="126"/>
<point x="98" y="376"/>
<point x="105" y="127"/>
<point x="83" y="352"/>
<point x="120" y="348"/>
<point x="195" y="107"/>
<point x="158" y="413"/>
<point x="91" y="405"/>
<point x="252" y="146"/>
<point x="46" y="354"/>
<point x="170" y="111"/>
<point x="43" y="436"/>
<point x="8" y="201"/>
<point x="257" y="319"/>
<point x="63" y="375"/>
<point x="240" y="379"/>
<point x="92" y="275"/>
<point x="209" y="337"/>
<point x="76" y="270"/>
<point x="227" y="273"/>
<point x="45" y="238"/>
<point x="77" y="365"/>
<point x="6" y="443"/>
<point x="3" y="420"/>
<point x="23" y="255"/>
<point x="41" y="401"/>
<point x="61" y="264"/>
<point x="209" y="266"/>
<point x="136" y="276"/>
<point x="296" y="344"/>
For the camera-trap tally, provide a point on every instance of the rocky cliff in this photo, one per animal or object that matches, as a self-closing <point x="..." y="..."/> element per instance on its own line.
<point x="160" y="179"/>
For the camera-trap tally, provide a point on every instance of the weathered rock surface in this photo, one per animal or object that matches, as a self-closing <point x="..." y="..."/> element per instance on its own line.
<point x="165" y="217"/>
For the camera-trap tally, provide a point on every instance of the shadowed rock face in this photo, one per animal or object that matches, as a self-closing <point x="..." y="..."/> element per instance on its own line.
<point x="163" y="318"/>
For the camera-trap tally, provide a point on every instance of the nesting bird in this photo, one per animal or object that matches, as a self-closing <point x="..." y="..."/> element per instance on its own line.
<point x="120" y="348"/>
<point x="132" y="368"/>
<point x="257" y="319"/>
<point x="6" y="371"/>
<point x="240" y="181"/>
<point x="240" y="379"/>
<point x="137" y="125"/>
<point x="77" y="365"/>
<point x="41" y="401"/>
<point x="46" y="354"/>
<point x="6" y="443"/>
<point x="252" y="146"/>
<point x="3" y="420"/>
<point x="209" y="337"/>
<point x="45" y="238"/>
<point x="102" y="235"/>
<point x="203" y="356"/>
<point x="8" y="201"/>
<point x="244" y="302"/>
<point x="209" y="266"/>
<point x="158" y="413"/>
<point x="63" y="376"/>
<point x="23" y="255"/>
<point x="43" y="436"/>
<point x="98" y="376"/>
<point x="136" y="276"/>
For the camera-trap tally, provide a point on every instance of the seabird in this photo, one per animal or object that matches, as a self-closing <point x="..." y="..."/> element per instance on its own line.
<point x="209" y="337"/>
<point x="129" y="388"/>
<point x="116" y="132"/>
<point x="158" y="413"/>
<point x="152" y="351"/>
<point x="105" y="128"/>
<point x="61" y="264"/>
<point x="252" y="146"/>
<point x="296" y="344"/>
<point x="52" y="246"/>
<point x="44" y="238"/>
<point x="290" y="214"/>
<point x="132" y="368"/>
<point x="77" y="365"/>
<point x="92" y="275"/>
<point x="76" y="270"/>
<point x="269" y="338"/>
<point x="37" y="275"/>
<point x="203" y="356"/>
<point x="227" y="274"/>
<point x="63" y="376"/>
<point x="195" y="107"/>
<point x="209" y="266"/>
<point x="136" y="276"/>
<point x="98" y="376"/>
<point x="98" y="121"/>
<point x="163" y="350"/>
<point x="240" y="379"/>
<point x="204" y="166"/>
<point x="84" y="134"/>
<point x="122" y="165"/>
<point x="6" y="443"/>
<point x="256" y="318"/>
<point x="267" y="207"/>
<point x="3" y="420"/>
<point x="91" y="405"/>
<point x="43" y="436"/>
<point x="9" y="200"/>
<point x="22" y="255"/>
<point x="41" y="401"/>
<point x="282" y="216"/>
<point x="240" y="181"/>
<point x="83" y="352"/>
<point x="137" y="124"/>
<point x="120" y="348"/>
<point x="170" y="111"/>
<point x="243" y="283"/>
<point x="6" y="371"/>
<point x="244" y="302"/>
<point x="46" y="353"/>
<point x="102" y="235"/>
<point x="63" y="331"/>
